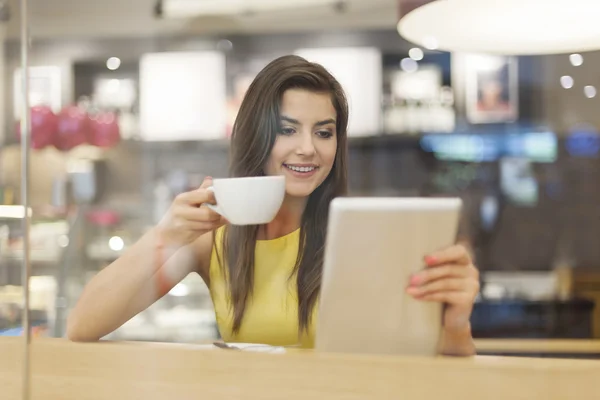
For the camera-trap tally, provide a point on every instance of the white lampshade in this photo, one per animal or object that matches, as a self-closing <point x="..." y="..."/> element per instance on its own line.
<point x="183" y="96"/>
<point x="510" y="27"/>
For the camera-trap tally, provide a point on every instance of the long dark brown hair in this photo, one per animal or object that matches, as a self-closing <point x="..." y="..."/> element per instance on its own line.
<point x="254" y="133"/>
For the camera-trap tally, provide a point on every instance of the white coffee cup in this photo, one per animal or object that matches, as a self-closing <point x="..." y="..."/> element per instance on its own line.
<point x="248" y="200"/>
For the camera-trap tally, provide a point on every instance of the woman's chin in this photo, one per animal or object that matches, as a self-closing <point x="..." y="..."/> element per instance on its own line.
<point x="299" y="190"/>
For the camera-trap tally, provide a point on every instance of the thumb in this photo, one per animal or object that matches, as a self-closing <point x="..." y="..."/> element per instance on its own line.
<point x="207" y="182"/>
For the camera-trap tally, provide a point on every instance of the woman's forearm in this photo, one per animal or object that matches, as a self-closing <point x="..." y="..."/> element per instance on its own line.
<point x="458" y="342"/>
<point x="123" y="289"/>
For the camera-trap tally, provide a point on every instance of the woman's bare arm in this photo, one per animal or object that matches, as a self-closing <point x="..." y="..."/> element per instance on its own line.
<point x="148" y="270"/>
<point x="132" y="283"/>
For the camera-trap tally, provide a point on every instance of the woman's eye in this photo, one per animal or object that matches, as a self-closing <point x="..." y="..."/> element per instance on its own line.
<point x="325" y="134"/>
<point x="287" y="131"/>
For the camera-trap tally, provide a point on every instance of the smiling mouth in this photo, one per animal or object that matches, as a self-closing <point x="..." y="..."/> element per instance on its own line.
<point x="302" y="169"/>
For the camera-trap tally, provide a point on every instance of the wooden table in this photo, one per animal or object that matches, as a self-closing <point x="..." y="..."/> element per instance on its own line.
<point x="539" y="346"/>
<point x="148" y="371"/>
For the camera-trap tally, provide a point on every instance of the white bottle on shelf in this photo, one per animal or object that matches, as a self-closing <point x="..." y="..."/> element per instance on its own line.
<point x="411" y="117"/>
<point x="447" y="112"/>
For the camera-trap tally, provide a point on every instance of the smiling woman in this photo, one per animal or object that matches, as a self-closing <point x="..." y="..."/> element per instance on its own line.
<point x="265" y="280"/>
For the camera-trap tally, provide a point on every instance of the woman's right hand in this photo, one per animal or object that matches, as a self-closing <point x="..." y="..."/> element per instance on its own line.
<point x="189" y="218"/>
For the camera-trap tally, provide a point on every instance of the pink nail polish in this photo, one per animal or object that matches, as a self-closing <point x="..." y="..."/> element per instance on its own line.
<point x="415" y="280"/>
<point x="430" y="260"/>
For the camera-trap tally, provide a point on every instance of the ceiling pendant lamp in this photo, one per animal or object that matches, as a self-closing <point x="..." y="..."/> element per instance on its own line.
<point x="508" y="27"/>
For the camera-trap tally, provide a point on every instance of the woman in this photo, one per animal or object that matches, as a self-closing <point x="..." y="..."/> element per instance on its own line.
<point x="265" y="280"/>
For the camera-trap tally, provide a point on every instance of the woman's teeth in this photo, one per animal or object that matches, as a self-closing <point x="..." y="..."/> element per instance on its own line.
<point x="299" y="169"/>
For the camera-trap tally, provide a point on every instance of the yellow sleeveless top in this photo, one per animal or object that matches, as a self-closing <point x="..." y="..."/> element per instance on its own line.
<point x="271" y="315"/>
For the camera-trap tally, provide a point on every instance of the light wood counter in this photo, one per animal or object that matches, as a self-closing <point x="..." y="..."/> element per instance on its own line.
<point x="531" y="346"/>
<point x="130" y="371"/>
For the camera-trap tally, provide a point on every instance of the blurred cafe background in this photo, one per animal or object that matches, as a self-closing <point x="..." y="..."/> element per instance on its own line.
<point x="133" y="102"/>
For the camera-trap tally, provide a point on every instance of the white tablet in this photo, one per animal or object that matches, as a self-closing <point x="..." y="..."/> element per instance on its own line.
<point x="373" y="246"/>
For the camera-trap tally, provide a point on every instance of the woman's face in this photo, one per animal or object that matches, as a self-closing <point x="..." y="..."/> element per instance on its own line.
<point x="305" y="149"/>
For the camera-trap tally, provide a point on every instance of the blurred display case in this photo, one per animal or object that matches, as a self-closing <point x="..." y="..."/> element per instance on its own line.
<point x="48" y="237"/>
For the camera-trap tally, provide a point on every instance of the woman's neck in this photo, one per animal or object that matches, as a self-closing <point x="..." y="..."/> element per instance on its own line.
<point x="287" y="219"/>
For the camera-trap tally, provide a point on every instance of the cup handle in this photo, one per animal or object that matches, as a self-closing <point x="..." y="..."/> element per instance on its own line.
<point x="213" y="207"/>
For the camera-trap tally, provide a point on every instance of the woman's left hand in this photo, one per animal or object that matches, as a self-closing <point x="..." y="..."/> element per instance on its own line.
<point x="451" y="278"/>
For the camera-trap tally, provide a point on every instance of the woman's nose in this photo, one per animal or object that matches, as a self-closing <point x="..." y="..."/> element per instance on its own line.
<point x="306" y="146"/>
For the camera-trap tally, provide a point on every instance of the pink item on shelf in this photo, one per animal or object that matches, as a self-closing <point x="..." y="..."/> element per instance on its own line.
<point x="44" y="125"/>
<point x="104" y="130"/>
<point x="73" y="128"/>
<point x="103" y="217"/>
